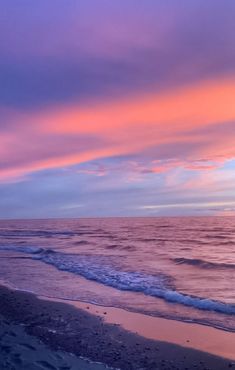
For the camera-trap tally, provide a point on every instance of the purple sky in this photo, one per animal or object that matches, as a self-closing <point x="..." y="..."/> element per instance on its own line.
<point x="117" y="108"/>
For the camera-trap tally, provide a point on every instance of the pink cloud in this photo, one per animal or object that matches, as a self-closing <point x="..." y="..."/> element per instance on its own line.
<point x="43" y="140"/>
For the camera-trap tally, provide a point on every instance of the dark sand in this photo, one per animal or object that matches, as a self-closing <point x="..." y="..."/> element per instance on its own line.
<point x="61" y="327"/>
<point x="21" y="351"/>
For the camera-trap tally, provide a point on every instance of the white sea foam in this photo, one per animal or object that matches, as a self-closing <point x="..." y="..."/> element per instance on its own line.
<point x="160" y="286"/>
<point x="101" y="270"/>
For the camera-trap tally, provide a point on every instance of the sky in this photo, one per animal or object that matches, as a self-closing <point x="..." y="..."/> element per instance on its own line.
<point x="117" y="108"/>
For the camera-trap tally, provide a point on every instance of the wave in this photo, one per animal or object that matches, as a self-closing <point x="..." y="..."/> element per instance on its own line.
<point x="130" y="248"/>
<point x="81" y="242"/>
<point x="29" y="250"/>
<point x="160" y="286"/>
<point x="23" y="233"/>
<point x="102" y="269"/>
<point x="202" y="263"/>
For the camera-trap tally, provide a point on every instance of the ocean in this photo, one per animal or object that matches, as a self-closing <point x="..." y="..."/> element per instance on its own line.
<point x="181" y="268"/>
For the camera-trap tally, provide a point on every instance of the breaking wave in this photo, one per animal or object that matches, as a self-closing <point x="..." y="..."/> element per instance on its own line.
<point x="102" y="269"/>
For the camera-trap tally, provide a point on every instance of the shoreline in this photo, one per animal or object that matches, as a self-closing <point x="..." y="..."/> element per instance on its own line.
<point x="189" y="335"/>
<point x="105" y="337"/>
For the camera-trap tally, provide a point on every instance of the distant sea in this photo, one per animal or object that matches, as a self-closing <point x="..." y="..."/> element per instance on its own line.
<point x="177" y="268"/>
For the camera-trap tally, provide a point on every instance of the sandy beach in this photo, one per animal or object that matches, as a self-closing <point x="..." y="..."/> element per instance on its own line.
<point x="21" y="351"/>
<point x="42" y="334"/>
<point x="190" y="335"/>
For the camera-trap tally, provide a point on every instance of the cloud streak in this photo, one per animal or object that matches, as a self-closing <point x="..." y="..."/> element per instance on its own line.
<point x="158" y="126"/>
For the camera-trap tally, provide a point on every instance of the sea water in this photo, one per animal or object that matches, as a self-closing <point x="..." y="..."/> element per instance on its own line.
<point x="178" y="268"/>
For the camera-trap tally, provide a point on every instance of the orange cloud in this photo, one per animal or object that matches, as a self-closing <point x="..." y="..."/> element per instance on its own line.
<point x="182" y="109"/>
<point x="141" y="122"/>
<point x="129" y="126"/>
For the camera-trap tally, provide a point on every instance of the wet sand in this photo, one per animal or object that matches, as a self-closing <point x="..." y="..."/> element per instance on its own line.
<point x="201" y="337"/>
<point x="90" y="334"/>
